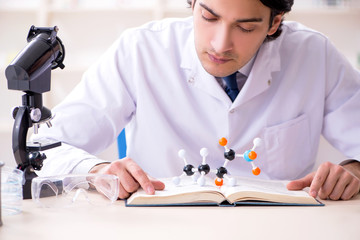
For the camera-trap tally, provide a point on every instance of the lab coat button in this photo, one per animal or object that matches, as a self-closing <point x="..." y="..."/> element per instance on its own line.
<point x="232" y="110"/>
<point x="191" y="80"/>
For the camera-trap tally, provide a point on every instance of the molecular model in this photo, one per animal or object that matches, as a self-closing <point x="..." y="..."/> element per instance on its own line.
<point x="221" y="173"/>
<point x="189" y="170"/>
<point x="229" y="154"/>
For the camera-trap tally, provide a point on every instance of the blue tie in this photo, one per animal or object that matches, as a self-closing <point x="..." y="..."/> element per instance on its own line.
<point x="231" y="86"/>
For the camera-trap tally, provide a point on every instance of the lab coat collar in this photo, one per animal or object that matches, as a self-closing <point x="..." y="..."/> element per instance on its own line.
<point x="266" y="62"/>
<point x="245" y="70"/>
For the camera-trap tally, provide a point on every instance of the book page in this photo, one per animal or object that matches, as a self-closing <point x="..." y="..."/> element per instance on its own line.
<point x="186" y="192"/>
<point x="265" y="190"/>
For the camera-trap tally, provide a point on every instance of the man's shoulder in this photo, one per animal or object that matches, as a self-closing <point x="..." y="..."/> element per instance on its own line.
<point x="173" y="26"/>
<point x="296" y="29"/>
<point x="167" y="24"/>
<point x="296" y="36"/>
<point x="161" y="31"/>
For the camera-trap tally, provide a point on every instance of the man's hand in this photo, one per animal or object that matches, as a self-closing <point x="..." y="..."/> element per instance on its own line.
<point x="331" y="181"/>
<point x="131" y="177"/>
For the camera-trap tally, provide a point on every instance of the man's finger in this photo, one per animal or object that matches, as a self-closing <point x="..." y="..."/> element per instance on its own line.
<point x="351" y="190"/>
<point x="335" y="183"/>
<point x="344" y="180"/>
<point x="158" y="185"/>
<point x="141" y="177"/>
<point x="301" y="183"/>
<point x="319" y="178"/>
<point x="123" y="194"/>
<point x="128" y="182"/>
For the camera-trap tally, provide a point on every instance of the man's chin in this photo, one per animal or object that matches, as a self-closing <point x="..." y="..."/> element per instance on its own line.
<point x="218" y="71"/>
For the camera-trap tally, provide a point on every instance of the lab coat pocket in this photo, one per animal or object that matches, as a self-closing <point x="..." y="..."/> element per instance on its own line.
<point x="287" y="148"/>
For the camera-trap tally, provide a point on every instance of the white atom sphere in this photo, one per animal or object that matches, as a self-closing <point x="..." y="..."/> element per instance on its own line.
<point x="232" y="182"/>
<point x="176" y="180"/>
<point x="201" y="181"/>
<point x="257" y="142"/>
<point x="204" y="152"/>
<point x="182" y="153"/>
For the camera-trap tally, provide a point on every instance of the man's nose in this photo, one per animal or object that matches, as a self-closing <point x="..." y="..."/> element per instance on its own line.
<point x="221" y="41"/>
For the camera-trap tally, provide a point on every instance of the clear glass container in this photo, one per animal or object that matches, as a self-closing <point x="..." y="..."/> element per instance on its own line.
<point x="12" y="180"/>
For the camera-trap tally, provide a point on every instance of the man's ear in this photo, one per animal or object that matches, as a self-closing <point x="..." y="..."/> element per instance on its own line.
<point x="193" y="4"/>
<point x="275" y="24"/>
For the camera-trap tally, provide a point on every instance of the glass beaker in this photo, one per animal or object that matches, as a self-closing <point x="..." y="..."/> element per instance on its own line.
<point x="12" y="180"/>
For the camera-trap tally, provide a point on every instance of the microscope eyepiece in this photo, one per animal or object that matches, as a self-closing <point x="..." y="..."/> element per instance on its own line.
<point x="30" y="70"/>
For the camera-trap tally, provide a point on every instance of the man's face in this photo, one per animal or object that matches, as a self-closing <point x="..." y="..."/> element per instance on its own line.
<point x="229" y="32"/>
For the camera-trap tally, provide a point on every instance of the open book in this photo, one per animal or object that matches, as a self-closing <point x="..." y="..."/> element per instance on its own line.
<point x="248" y="191"/>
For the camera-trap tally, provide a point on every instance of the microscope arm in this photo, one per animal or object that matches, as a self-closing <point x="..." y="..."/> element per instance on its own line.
<point x="21" y="126"/>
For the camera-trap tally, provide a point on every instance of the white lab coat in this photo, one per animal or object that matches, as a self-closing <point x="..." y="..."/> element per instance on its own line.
<point x="152" y="82"/>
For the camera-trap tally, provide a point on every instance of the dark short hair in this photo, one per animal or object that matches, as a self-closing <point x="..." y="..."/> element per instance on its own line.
<point x="277" y="7"/>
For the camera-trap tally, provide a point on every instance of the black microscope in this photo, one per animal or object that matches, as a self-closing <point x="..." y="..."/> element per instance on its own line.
<point x="30" y="72"/>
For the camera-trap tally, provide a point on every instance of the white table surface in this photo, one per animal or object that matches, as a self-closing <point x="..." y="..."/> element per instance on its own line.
<point x="338" y="220"/>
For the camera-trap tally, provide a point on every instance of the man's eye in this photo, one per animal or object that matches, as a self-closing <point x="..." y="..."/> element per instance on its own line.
<point x="208" y="19"/>
<point x="246" y="30"/>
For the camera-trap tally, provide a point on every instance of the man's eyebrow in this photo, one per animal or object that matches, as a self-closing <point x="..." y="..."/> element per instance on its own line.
<point x="209" y="10"/>
<point x="238" y="20"/>
<point x="249" y="20"/>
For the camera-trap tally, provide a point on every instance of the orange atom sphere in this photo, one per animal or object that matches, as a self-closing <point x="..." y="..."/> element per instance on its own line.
<point x="219" y="182"/>
<point x="252" y="155"/>
<point x="256" y="171"/>
<point x="223" y="142"/>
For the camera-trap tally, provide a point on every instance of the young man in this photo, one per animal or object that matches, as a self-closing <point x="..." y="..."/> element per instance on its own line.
<point x="163" y="82"/>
